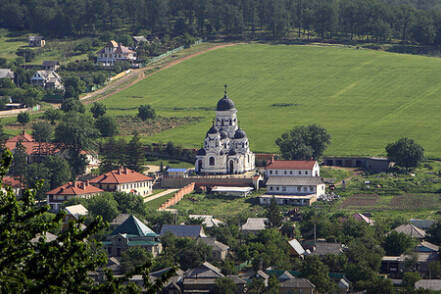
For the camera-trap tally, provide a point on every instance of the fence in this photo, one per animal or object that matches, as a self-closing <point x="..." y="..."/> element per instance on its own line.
<point x="168" y="53"/>
<point x="178" y="196"/>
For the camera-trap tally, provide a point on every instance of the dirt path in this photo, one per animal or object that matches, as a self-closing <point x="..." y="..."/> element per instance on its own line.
<point x="166" y="192"/>
<point x="118" y="85"/>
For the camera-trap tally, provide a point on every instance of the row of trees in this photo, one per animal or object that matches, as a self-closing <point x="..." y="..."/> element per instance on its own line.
<point x="379" y="19"/>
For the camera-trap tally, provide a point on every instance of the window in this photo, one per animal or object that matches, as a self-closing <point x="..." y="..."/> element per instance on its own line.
<point x="271" y="188"/>
<point x="306" y="172"/>
<point x="298" y="188"/>
<point x="277" y="188"/>
<point x="284" y="188"/>
<point x="286" y="172"/>
<point x="276" y="172"/>
<point x="311" y="188"/>
<point x="300" y="172"/>
<point x="271" y="172"/>
<point x="305" y="189"/>
<point x="212" y="161"/>
<point x="290" y="172"/>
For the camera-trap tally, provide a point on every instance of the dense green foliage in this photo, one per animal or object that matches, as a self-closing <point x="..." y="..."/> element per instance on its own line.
<point x="146" y="112"/>
<point x="23" y="118"/>
<point x="381" y="20"/>
<point x="304" y="143"/>
<point x="405" y="152"/>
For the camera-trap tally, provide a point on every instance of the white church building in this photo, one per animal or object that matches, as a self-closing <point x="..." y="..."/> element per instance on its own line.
<point x="226" y="148"/>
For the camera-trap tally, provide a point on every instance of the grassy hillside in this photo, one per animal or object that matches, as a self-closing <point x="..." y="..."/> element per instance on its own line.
<point x="364" y="98"/>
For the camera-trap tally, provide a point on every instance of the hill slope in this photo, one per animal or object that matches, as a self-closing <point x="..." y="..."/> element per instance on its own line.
<point x="364" y="98"/>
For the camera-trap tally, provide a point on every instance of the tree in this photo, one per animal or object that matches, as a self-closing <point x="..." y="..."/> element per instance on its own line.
<point x="23" y="118"/>
<point x="304" y="142"/>
<point x="405" y="153"/>
<point x="72" y="104"/>
<point x="410" y="278"/>
<point x="396" y="243"/>
<point x="318" y="273"/>
<point x="112" y="155"/>
<point x="225" y="285"/>
<point x="135" y="154"/>
<point x="52" y="115"/>
<point x="129" y="203"/>
<point x="60" y="171"/>
<point x="133" y="258"/>
<point x="107" y="126"/>
<point x="98" y="109"/>
<point x="32" y="264"/>
<point x="434" y="232"/>
<point x="103" y="205"/>
<point x="273" y="214"/>
<point x="146" y="112"/>
<point x="42" y="131"/>
<point x="37" y="177"/>
<point x="76" y="131"/>
<point x="19" y="163"/>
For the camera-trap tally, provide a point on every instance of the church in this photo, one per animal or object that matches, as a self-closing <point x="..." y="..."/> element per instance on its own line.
<point x="226" y="148"/>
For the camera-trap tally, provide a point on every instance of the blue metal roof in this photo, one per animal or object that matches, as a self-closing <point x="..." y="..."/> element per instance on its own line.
<point x="176" y="170"/>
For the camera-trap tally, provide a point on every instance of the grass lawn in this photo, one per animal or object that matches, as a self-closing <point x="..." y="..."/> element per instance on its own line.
<point x="171" y="163"/>
<point x="155" y="204"/>
<point x="9" y="45"/>
<point x="220" y="207"/>
<point x="364" y="98"/>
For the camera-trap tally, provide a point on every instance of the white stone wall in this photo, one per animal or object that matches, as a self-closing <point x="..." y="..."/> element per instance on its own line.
<point x="317" y="190"/>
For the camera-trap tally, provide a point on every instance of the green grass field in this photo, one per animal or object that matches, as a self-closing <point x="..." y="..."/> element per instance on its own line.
<point x="364" y="98"/>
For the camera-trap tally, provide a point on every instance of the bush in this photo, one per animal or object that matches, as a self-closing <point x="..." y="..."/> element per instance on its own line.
<point x="146" y="112"/>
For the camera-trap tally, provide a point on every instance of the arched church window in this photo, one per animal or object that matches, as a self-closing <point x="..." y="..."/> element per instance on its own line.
<point x="212" y="161"/>
<point x="231" y="123"/>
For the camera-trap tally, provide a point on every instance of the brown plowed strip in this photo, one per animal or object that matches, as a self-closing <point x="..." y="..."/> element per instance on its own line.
<point x="140" y="73"/>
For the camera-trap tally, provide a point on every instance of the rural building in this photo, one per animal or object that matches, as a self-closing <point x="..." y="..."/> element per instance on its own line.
<point x="177" y="172"/>
<point x="207" y="220"/>
<point x="375" y="164"/>
<point x="70" y="190"/>
<point x="226" y="148"/>
<point x="219" y="250"/>
<point x="51" y="65"/>
<point x="293" y="182"/>
<point x="124" y="180"/>
<point x="172" y="285"/>
<point x="296" y="285"/>
<point x="203" y="279"/>
<point x="47" y="79"/>
<point x="423" y="224"/>
<point x="254" y="225"/>
<point x="432" y="285"/>
<point x="411" y="231"/>
<point x="139" y="40"/>
<point x="6" y="73"/>
<point x="395" y="265"/>
<point x="113" y="52"/>
<point x="425" y="246"/>
<point x="74" y="212"/>
<point x="295" y="248"/>
<point x="15" y="183"/>
<point x="36" y="41"/>
<point x="187" y="231"/>
<point x="132" y="232"/>
<point x="362" y="218"/>
<point x="321" y="248"/>
<point x="232" y="191"/>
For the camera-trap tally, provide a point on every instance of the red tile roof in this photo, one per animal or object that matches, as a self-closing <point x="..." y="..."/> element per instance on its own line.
<point x="33" y="147"/>
<point x="291" y="164"/>
<point x="13" y="182"/>
<point x="23" y="137"/>
<point x="120" y="176"/>
<point x="75" y="188"/>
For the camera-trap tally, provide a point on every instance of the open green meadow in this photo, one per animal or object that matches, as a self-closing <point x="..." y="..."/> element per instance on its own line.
<point x="364" y="98"/>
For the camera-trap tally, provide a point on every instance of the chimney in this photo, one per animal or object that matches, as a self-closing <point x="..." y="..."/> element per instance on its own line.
<point x="125" y="170"/>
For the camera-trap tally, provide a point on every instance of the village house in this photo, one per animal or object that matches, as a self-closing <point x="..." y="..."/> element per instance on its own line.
<point x="207" y="220"/>
<point x="411" y="231"/>
<point x="70" y="190"/>
<point x="254" y="225"/>
<point x="132" y="232"/>
<point x="74" y="212"/>
<point x="203" y="279"/>
<point x="36" y="151"/>
<point x="293" y="182"/>
<point x="51" y="65"/>
<point x="47" y="79"/>
<point x="188" y="231"/>
<point x="219" y="250"/>
<point x="36" y="41"/>
<point x="113" y="52"/>
<point x="124" y="180"/>
<point x="6" y="73"/>
<point x="15" y="183"/>
<point x="139" y="40"/>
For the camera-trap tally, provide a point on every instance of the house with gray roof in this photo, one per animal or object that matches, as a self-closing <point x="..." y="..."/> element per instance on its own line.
<point x="433" y="285"/>
<point x="47" y="79"/>
<point x="219" y="250"/>
<point x="254" y="225"/>
<point x="207" y="220"/>
<point x="6" y="73"/>
<point x="132" y="232"/>
<point x="296" y="248"/>
<point x="290" y="284"/>
<point x="323" y="248"/>
<point x="411" y="231"/>
<point x="189" y="231"/>
<point x="423" y="224"/>
<point x="425" y="246"/>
